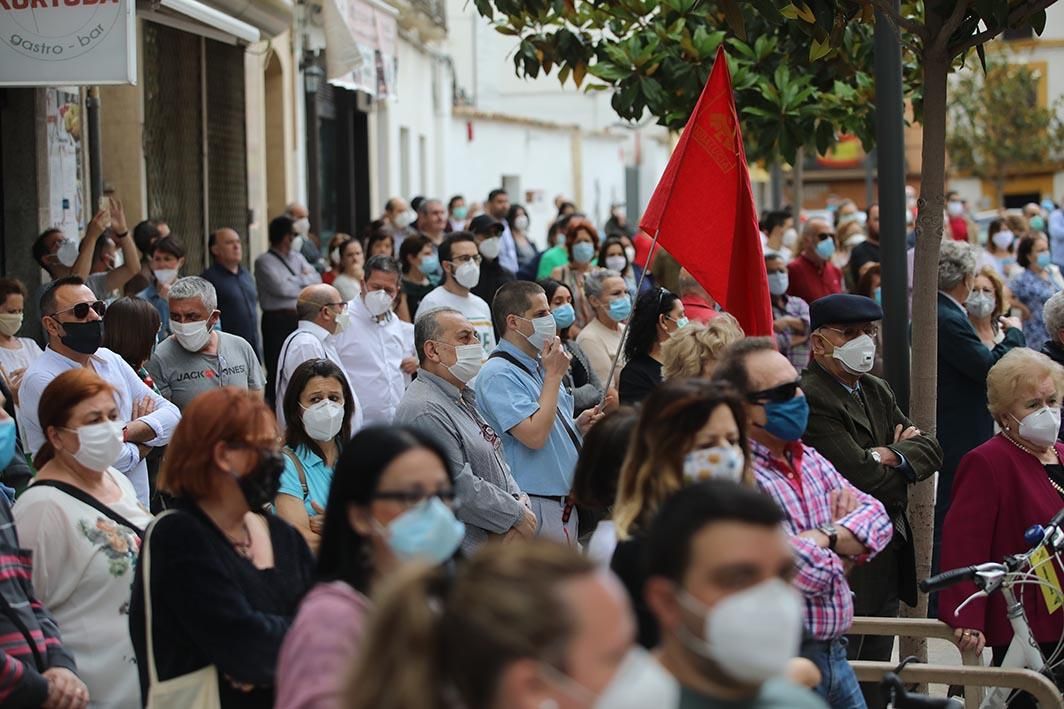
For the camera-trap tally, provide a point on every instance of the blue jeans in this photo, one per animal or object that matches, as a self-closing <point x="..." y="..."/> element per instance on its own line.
<point x="838" y="685"/>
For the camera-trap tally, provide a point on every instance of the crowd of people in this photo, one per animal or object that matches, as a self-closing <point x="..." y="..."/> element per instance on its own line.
<point x="434" y="466"/>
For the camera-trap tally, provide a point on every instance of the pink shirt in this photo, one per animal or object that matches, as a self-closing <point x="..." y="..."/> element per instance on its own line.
<point x="320" y="647"/>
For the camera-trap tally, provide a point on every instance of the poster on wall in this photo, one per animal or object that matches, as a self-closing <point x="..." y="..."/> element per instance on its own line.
<point x="374" y="33"/>
<point x="67" y="42"/>
<point x="63" y="111"/>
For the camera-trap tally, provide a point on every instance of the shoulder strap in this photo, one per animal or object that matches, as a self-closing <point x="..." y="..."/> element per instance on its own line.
<point x="567" y="425"/>
<point x="291" y="455"/>
<point x="82" y="496"/>
<point x="281" y="259"/>
<point x="145" y="561"/>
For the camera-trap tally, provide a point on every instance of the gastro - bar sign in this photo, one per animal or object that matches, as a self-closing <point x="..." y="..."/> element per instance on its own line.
<point x="67" y="42"/>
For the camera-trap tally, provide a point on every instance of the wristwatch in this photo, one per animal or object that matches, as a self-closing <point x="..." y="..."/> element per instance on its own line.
<point x="877" y="457"/>
<point x="828" y="530"/>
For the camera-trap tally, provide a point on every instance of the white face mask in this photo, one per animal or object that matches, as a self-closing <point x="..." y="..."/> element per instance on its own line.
<point x="616" y="263"/>
<point x="68" y="252"/>
<point x="778" y="283"/>
<point x="1003" y="239"/>
<point x="334" y="256"/>
<point x="301" y="226"/>
<point x="10" y="323"/>
<point x="407" y="218"/>
<point x="751" y="635"/>
<point x="857" y="355"/>
<point x="1041" y="427"/>
<point x="468" y="362"/>
<point x="520" y="222"/>
<point x="297" y="243"/>
<point x="638" y="681"/>
<point x="629" y="251"/>
<point x="489" y="248"/>
<point x="323" y="420"/>
<point x="193" y="336"/>
<point x="99" y="445"/>
<point x="790" y="238"/>
<point x="980" y="305"/>
<point x="468" y="274"/>
<point x="717" y="463"/>
<point x="378" y="302"/>
<point x="543" y="330"/>
<point x="343" y="319"/>
<point x="165" y="275"/>
<point x="955" y="208"/>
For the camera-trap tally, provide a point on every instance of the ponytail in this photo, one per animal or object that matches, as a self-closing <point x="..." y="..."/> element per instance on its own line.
<point x="44" y="454"/>
<point x="400" y="666"/>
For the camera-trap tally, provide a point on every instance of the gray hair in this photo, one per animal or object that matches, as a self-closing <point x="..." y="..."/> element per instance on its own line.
<point x="427" y="327"/>
<point x="956" y="262"/>
<point x="195" y="287"/>
<point x="1053" y="313"/>
<point x="423" y="208"/>
<point x="595" y="282"/>
<point x="383" y="264"/>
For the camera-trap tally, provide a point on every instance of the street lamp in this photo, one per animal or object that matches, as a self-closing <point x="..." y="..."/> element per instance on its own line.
<point x="312" y="77"/>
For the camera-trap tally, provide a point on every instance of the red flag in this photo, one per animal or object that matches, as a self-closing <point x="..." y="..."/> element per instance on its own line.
<point x="703" y="208"/>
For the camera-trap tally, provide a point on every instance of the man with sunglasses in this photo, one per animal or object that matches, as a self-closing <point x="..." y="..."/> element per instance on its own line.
<point x="322" y="314"/>
<point x="832" y="526"/>
<point x="812" y="275"/>
<point x="72" y="318"/>
<point x="855" y="422"/>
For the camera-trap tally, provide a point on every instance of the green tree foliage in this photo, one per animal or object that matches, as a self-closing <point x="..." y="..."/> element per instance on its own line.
<point x="996" y="125"/>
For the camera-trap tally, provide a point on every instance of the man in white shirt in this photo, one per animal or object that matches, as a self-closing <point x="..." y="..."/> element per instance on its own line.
<point x="72" y="317"/>
<point x="321" y="313"/>
<point x="377" y="348"/>
<point x="460" y="260"/>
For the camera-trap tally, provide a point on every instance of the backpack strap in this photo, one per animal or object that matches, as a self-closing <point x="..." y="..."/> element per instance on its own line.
<point x="291" y="455"/>
<point x="566" y="424"/>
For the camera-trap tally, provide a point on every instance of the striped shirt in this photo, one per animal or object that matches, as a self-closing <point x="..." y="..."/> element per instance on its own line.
<point x="802" y="487"/>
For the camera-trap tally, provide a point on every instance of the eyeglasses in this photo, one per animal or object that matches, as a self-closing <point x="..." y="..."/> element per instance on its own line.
<point x="475" y="258"/>
<point x="852" y="333"/>
<point x="776" y="395"/>
<point x="341" y="306"/>
<point x="824" y="236"/>
<point x="81" y="310"/>
<point x="410" y="498"/>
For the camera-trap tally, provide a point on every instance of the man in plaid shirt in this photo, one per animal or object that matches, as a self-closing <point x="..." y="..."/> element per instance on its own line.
<point x="832" y="525"/>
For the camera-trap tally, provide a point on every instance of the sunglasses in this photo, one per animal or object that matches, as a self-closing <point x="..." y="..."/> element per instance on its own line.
<point x="775" y="395"/>
<point x="81" y="310"/>
<point x="824" y="236"/>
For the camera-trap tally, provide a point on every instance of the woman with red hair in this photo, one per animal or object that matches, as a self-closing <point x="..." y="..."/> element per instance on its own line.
<point x="223" y="578"/>
<point x="582" y="242"/>
<point x="83" y="523"/>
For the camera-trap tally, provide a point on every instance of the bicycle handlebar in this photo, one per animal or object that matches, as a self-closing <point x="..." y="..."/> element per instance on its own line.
<point x="948" y="578"/>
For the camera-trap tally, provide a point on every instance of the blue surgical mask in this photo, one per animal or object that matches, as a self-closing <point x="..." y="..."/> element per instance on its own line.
<point x="429" y="532"/>
<point x="1044" y="259"/>
<point x="564" y="316"/>
<point x="620" y="308"/>
<point x="7" y="443"/>
<point x="787" y="420"/>
<point x="878" y="296"/>
<point x="430" y="265"/>
<point x="825" y="249"/>
<point x="583" y="252"/>
<point x="681" y="323"/>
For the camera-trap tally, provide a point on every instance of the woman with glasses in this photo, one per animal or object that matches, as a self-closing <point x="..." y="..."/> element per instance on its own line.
<point x="83" y="523"/>
<point x="317" y="409"/>
<point x="658" y="315"/>
<point x="689" y="430"/>
<point x="581" y="242"/>
<point x="219" y="578"/>
<point x="391" y="502"/>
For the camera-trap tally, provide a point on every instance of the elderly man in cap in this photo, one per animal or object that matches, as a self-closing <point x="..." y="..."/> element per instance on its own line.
<point x="493" y="275"/>
<point x="855" y="422"/>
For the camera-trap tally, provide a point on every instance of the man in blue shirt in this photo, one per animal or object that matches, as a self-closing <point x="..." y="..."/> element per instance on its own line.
<point x="237" y="298"/>
<point x="519" y="391"/>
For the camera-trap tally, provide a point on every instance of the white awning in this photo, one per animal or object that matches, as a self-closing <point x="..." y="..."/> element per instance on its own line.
<point x="196" y="17"/>
<point x="361" y="38"/>
<point x="270" y="17"/>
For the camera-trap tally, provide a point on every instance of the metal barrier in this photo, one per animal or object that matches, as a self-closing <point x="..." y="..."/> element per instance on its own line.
<point x="972" y="674"/>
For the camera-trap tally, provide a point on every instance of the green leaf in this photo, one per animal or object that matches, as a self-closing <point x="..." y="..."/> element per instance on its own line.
<point x="733" y="14"/>
<point x="825" y="137"/>
<point x="818" y="50"/>
<point x="1038" y="22"/>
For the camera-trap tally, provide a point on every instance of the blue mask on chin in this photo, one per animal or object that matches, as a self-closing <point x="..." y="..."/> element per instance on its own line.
<point x="787" y="420"/>
<point x="7" y="443"/>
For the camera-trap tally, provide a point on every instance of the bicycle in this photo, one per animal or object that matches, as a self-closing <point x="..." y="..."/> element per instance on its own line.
<point x="900" y="698"/>
<point x="1015" y="570"/>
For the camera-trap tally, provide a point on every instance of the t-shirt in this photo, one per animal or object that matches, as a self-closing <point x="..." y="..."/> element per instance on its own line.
<point x="475" y="310"/>
<point x="182" y="375"/>
<point x="21" y="358"/>
<point x="774" y="694"/>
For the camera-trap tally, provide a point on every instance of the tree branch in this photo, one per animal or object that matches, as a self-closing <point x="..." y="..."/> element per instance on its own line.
<point x="953" y="22"/>
<point x="1019" y="13"/>
<point x="908" y="24"/>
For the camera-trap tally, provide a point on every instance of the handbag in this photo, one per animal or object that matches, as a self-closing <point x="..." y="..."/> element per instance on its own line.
<point x="195" y="690"/>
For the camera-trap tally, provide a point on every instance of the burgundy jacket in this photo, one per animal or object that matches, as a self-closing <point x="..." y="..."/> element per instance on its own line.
<point x="999" y="492"/>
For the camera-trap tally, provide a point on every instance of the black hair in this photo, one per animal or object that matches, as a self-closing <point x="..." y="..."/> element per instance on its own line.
<point x="512" y="298"/>
<point x="295" y="435"/>
<point x="411" y="247"/>
<point x="1026" y="245"/>
<point x="145" y="234"/>
<point x="776" y="218"/>
<point x="380" y="263"/>
<point x="47" y="303"/>
<point x="606" y="244"/>
<point x="416" y="202"/>
<point x="452" y="201"/>
<point x="11" y="286"/>
<point x="599" y="466"/>
<point x="690" y="510"/>
<point x="732" y="366"/>
<point x="169" y="245"/>
<point x="495" y="193"/>
<point x="344" y="553"/>
<point x="130" y="327"/>
<point x="40" y="247"/>
<point x="643" y="327"/>
<point x="449" y="241"/>
<point x="280" y="227"/>
<point x="515" y="210"/>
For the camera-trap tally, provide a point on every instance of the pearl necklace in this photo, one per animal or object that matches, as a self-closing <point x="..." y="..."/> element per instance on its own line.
<point x="1025" y="449"/>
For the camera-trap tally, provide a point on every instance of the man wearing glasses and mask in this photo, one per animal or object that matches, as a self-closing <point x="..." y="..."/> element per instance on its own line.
<point x="832" y="526"/>
<point x="72" y="317"/>
<point x="856" y="424"/>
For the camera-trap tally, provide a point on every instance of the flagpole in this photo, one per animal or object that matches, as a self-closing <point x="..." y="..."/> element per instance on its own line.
<point x="624" y="334"/>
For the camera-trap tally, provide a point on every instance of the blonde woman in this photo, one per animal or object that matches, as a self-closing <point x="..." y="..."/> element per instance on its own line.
<point x="695" y="350"/>
<point x="688" y="430"/>
<point x="987" y="302"/>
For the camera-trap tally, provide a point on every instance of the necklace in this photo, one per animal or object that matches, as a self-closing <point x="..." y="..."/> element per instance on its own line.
<point x="1025" y="449"/>
<point x="242" y="547"/>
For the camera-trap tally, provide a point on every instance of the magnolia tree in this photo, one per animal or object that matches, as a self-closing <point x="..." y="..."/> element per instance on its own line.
<point x="801" y="73"/>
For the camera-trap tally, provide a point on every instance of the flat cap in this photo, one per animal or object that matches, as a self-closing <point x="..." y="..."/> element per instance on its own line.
<point x="485" y="224"/>
<point x="843" y="309"/>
